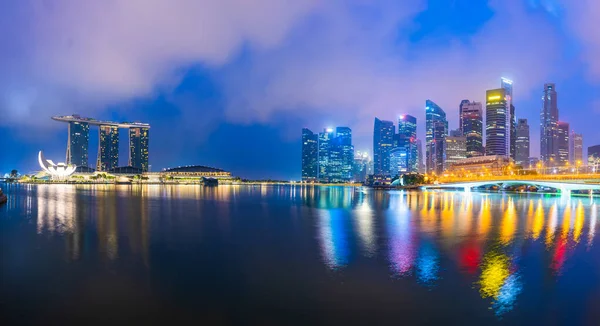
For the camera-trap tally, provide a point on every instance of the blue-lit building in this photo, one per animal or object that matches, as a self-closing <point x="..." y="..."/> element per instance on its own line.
<point x="139" y="138"/>
<point x="407" y="137"/>
<point x="77" y="146"/>
<point x="108" y="148"/>
<point x="335" y="160"/>
<point x="435" y="137"/>
<point x="310" y="155"/>
<point x="383" y="143"/>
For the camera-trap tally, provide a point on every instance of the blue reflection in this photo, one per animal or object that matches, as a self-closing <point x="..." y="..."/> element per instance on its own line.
<point x="402" y="250"/>
<point x="334" y="240"/>
<point x="508" y="294"/>
<point x="427" y="264"/>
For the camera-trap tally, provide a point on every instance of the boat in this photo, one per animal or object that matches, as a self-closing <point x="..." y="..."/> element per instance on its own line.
<point x="3" y="198"/>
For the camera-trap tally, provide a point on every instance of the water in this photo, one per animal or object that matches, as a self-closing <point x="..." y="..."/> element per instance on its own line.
<point x="295" y="255"/>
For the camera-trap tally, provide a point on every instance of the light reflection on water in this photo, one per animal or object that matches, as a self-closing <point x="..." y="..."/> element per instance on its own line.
<point x="500" y="244"/>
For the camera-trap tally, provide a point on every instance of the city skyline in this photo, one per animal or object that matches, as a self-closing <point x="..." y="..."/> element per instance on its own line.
<point x="295" y="70"/>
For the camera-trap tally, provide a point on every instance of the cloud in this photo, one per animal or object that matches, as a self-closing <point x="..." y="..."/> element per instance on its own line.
<point x="582" y="18"/>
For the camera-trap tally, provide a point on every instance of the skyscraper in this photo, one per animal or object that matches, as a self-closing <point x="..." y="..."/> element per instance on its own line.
<point x="563" y="143"/>
<point x="507" y="85"/>
<point x="361" y="166"/>
<point x="324" y="154"/>
<point x="108" y="147"/>
<point x="383" y="141"/>
<point x="497" y="123"/>
<point x="576" y="149"/>
<point x="456" y="148"/>
<point x="471" y="126"/>
<point x="343" y="145"/>
<point x="522" y="144"/>
<point x="310" y="155"/>
<point x="398" y="161"/>
<point x="420" y="163"/>
<point x="77" y="147"/>
<point x="138" y="147"/>
<point x="549" y="126"/>
<point x="407" y="130"/>
<point x="435" y="137"/>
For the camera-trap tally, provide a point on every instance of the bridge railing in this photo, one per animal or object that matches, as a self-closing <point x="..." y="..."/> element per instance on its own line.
<point x="587" y="178"/>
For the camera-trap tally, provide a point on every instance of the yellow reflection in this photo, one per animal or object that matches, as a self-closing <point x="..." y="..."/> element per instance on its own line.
<point x="552" y="221"/>
<point x="566" y="223"/>
<point x="494" y="271"/>
<point x="485" y="217"/>
<point x="366" y="232"/>
<point x="447" y="216"/>
<point x="579" y="219"/>
<point x="538" y="221"/>
<point x="509" y="220"/>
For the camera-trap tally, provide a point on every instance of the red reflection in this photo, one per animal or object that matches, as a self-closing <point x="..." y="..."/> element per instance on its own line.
<point x="470" y="258"/>
<point x="559" y="257"/>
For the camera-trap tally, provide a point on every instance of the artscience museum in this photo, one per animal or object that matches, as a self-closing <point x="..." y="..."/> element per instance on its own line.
<point x="57" y="171"/>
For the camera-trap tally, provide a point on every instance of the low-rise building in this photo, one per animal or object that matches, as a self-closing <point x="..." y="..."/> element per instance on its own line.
<point x="481" y="165"/>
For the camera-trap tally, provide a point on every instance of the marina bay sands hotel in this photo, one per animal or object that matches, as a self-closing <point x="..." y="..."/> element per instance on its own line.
<point x="108" y="142"/>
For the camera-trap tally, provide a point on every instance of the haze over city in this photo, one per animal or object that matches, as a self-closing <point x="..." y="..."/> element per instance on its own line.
<point x="231" y="83"/>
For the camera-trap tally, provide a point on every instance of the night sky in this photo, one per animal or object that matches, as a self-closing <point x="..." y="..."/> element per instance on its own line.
<point x="230" y="83"/>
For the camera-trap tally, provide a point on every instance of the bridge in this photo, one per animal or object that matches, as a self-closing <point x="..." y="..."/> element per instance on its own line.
<point x="564" y="186"/>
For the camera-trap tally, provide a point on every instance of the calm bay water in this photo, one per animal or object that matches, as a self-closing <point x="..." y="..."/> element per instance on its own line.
<point x="296" y="255"/>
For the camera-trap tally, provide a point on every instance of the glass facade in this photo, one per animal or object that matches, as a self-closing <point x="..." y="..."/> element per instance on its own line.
<point x="383" y="142"/>
<point x="563" y="143"/>
<point x="594" y="158"/>
<point x="335" y="155"/>
<point x="407" y="130"/>
<point x="549" y="126"/>
<point x="522" y="143"/>
<point x="497" y="129"/>
<point x="471" y="126"/>
<point x="507" y="85"/>
<point x="398" y="161"/>
<point x="576" y="152"/>
<point x="456" y="150"/>
<point x="343" y="145"/>
<point x="310" y="155"/>
<point x="325" y="139"/>
<point x="78" y="142"/>
<point x="138" y="148"/>
<point x="108" y="148"/>
<point x="435" y="137"/>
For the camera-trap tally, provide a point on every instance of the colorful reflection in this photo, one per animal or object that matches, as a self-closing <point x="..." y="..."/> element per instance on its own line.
<point x="427" y="264"/>
<point x="402" y="245"/>
<point x="333" y="238"/>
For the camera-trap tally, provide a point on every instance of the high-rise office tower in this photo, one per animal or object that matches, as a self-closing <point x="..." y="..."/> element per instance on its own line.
<point x="361" y="166"/>
<point x="383" y="141"/>
<point x="139" y="138"/>
<point x="456" y="148"/>
<point x="507" y="85"/>
<point x="576" y="149"/>
<point x="407" y="130"/>
<point x="310" y="155"/>
<point x="563" y="143"/>
<point x="77" y="146"/>
<point x="471" y="126"/>
<point x="324" y="154"/>
<point x="343" y="144"/>
<point x="398" y="161"/>
<point x="549" y="126"/>
<point x="420" y="163"/>
<point x="594" y="158"/>
<point x="108" y="148"/>
<point x="435" y="137"/>
<point x="497" y="122"/>
<point x="522" y="144"/>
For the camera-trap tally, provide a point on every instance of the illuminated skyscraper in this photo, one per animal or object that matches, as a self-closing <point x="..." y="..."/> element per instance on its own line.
<point x="420" y="163"/>
<point x="398" y="160"/>
<point x="108" y="148"/>
<point x="310" y="155"/>
<point x="576" y="149"/>
<point x="325" y="140"/>
<point x="456" y="149"/>
<point x="435" y="137"/>
<point x="549" y="126"/>
<point x="563" y="143"/>
<point x="497" y="122"/>
<point x="507" y="84"/>
<point x="594" y="158"/>
<point x="138" y="147"/>
<point x="383" y="142"/>
<point x="361" y="166"/>
<point x="407" y="130"/>
<point x="471" y="126"/>
<point x="522" y="144"/>
<point x="345" y="160"/>
<point x="77" y="146"/>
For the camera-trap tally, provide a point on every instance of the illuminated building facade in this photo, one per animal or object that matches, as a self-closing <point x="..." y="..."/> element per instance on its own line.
<point x="563" y="143"/>
<point x="108" y="148"/>
<point x="77" y="145"/>
<point x="310" y="155"/>
<point x="383" y="142"/>
<point x="138" y="147"/>
<point x="522" y="151"/>
<point x="335" y="154"/>
<point x="324" y="154"/>
<point x="481" y="165"/>
<point x="507" y="85"/>
<point x="407" y="137"/>
<point x="576" y="151"/>
<point x="497" y="139"/>
<point x="456" y="149"/>
<point x="435" y="134"/>
<point x="549" y="126"/>
<point x="398" y="160"/>
<point x="471" y="126"/>
<point x="594" y="158"/>
<point x="361" y="166"/>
